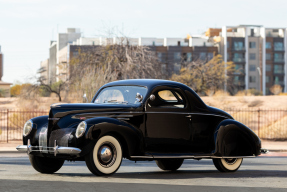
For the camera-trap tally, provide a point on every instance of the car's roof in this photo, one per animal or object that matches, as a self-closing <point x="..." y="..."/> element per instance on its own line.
<point x="149" y="83"/>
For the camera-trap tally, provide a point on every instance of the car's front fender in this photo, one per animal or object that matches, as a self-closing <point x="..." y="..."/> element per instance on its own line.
<point x="38" y="124"/>
<point x="130" y="137"/>
<point x="233" y="138"/>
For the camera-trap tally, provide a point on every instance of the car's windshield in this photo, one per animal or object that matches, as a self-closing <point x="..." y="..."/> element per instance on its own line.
<point x="120" y="95"/>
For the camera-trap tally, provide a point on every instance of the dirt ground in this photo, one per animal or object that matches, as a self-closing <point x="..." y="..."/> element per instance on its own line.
<point x="271" y="102"/>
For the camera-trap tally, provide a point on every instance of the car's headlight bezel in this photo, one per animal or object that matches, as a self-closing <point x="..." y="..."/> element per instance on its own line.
<point x="28" y="126"/>
<point x="81" y="129"/>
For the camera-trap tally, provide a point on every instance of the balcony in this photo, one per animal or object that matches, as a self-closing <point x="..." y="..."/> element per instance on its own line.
<point x="279" y="83"/>
<point x="279" y="49"/>
<point x="238" y="48"/>
<point x="278" y="60"/>
<point x="239" y="60"/>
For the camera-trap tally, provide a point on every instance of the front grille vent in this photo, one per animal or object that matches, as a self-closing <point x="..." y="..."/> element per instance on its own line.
<point x="61" y="136"/>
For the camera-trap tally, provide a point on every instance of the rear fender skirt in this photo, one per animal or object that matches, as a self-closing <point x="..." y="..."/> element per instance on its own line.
<point x="232" y="138"/>
<point x="38" y="124"/>
<point x="130" y="137"/>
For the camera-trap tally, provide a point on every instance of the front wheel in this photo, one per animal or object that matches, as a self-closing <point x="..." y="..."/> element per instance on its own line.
<point x="106" y="157"/>
<point x="227" y="164"/>
<point x="169" y="164"/>
<point x="45" y="164"/>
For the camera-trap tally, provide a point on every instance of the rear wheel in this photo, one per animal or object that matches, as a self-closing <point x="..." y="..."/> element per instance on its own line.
<point x="45" y="164"/>
<point x="169" y="164"/>
<point x="106" y="157"/>
<point x="227" y="164"/>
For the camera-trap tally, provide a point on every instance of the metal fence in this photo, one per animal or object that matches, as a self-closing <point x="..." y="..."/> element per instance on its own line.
<point x="12" y="122"/>
<point x="266" y="123"/>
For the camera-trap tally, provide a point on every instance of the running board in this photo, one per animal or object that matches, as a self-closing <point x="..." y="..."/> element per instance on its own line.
<point x="189" y="157"/>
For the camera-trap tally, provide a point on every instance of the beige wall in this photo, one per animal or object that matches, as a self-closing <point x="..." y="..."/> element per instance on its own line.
<point x="7" y="88"/>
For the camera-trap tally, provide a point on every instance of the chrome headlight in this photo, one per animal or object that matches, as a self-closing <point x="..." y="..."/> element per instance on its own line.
<point x="27" y="128"/>
<point x="81" y="129"/>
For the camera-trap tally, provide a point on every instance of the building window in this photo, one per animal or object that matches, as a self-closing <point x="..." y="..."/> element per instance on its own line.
<point x="278" y="57"/>
<point x="252" y="79"/>
<point x="187" y="57"/>
<point x="278" y="69"/>
<point x="252" y="44"/>
<point x="176" y="67"/>
<point x="163" y="68"/>
<point x="239" y="69"/>
<point x="238" y="45"/>
<point x="278" y="80"/>
<point x="227" y="44"/>
<point x="210" y="56"/>
<point x="252" y="56"/>
<point x="267" y="79"/>
<point x="161" y="57"/>
<point x="202" y="56"/>
<point x="252" y="67"/>
<point x="268" y="56"/>
<point x="268" y="45"/>
<point x="238" y="57"/>
<point x="268" y="67"/>
<point x="278" y="46"/>
<point x="176" y="56"/>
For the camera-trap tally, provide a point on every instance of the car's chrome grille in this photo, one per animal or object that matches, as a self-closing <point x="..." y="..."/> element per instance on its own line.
<point x="61" y="136"/>
<point x="43" y="139"/>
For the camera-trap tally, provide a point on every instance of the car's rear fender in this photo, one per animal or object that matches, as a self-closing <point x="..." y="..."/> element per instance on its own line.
<point x="130" y="137"/>
<point x="38" y="124"/>
<point x="233" y="138"/>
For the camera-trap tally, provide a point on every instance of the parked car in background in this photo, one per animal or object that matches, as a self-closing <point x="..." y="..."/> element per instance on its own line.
<point x="138" y="120"/>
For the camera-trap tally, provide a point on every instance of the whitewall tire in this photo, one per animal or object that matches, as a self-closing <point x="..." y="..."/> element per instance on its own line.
<point x="227" y="164"/>
<point x="106" y="157"/>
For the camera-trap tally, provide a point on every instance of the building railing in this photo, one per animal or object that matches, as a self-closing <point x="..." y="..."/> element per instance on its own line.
<point x="279" y="60"/>
<point x="239" y="60"/>
<point x="266" y="123"/>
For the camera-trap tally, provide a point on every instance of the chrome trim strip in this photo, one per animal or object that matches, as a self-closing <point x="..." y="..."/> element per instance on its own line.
<point x="142" y="157"/>
<point x="53" y="119"/>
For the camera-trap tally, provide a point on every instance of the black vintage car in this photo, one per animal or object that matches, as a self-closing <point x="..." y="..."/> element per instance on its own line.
<point x="140" y="119"/>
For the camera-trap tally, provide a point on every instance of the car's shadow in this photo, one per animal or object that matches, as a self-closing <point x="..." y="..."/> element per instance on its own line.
<point x="186" y="174"/>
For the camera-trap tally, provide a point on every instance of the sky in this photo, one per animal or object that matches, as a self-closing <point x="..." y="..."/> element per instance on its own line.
<point x="27" y="26"/>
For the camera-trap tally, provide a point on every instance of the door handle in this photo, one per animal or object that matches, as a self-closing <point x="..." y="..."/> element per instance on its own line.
<point x="189" y="116"/>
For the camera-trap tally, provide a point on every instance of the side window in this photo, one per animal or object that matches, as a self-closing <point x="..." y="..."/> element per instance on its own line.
<point x="167" y="99"/>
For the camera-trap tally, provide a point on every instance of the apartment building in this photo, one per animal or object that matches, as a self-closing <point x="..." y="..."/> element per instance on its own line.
<point x="3" y="85"/>
<point x="259" y="55"/>
<point x="171" y="52"/>
<point x="63" y="39"/>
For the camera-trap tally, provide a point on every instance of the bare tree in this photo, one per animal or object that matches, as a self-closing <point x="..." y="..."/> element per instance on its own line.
<point x="102" y="64"/>
<point x="203" y="76"/>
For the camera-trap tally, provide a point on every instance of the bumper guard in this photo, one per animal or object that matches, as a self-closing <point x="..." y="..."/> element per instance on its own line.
<point x="56" y="149"/>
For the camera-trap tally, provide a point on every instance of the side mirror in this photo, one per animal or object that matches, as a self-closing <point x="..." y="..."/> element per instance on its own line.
<point x="85" y="99"/>
<point x="139" y="97"/>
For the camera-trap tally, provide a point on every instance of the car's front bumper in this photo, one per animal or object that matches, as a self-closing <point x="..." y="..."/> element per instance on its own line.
<point x="54" y="150"/>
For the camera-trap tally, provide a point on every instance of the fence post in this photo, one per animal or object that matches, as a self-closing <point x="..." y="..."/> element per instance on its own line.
<point x="7" y="128"/>
<point x="258" y="123"/>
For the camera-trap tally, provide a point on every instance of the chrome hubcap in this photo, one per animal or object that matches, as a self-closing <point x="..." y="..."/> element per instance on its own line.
<point x="105" y="154"/>
<point x="230" y="161"/>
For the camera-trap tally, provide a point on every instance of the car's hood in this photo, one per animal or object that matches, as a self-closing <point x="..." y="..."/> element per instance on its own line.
<point x="219" y="112"/>
<point x="62" y="109"/>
